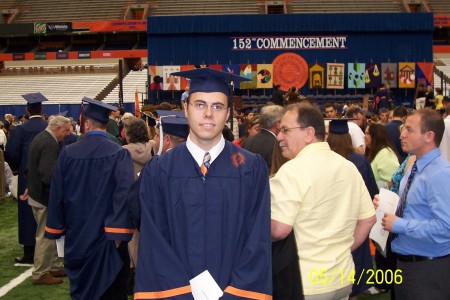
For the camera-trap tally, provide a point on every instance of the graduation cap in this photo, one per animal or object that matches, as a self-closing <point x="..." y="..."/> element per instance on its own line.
<point x="97" y="110"/>
<point x="208" y="80"/>
<point x="172" y="122"/>
<point x="339" y="126"/>
<point x="34" y="100"/>
<point x="249" y="109"/>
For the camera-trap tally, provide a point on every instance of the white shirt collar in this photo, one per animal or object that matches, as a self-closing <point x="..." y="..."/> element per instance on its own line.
<point x="198" y="153"/>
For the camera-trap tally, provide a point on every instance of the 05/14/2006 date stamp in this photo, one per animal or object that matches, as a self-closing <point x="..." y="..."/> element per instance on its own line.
<point x="323" y="277"/>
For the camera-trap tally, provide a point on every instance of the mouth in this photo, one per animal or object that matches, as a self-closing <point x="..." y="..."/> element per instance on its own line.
<point x="207" y="125"/>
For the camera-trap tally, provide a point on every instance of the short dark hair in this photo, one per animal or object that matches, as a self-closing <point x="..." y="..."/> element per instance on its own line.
<point x="329" y="104"/>
<point x="136" y="130"/>
<point x="309" y="115"/>
<point x="400" y="112"/>
<point x="431" y="120"/>
<point x="353" y="110"/>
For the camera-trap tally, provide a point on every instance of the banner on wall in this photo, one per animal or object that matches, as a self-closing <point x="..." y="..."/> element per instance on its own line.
<point x="288" y="42"/>
<point x="248" y="71"/>
<point x="424" y="72"/>
<point x="59" y="27"/>
<point x="317" y="76"/>
<point x="171" y="83"/>
<point x="335" y="76"/>
<point x="232" y="69"/>
<point x="156" y="72"/>
<point x="289" y="69"/>
<point x="406" y="75"/>
<point x="184" y="82"/>
<point x="356" y="76"/>
<point x="389" y="74"/>
<point x="264" y="76"/>
<point x="372" y="76"/>
<point x="40" y="28"/>
<point x="106" y="26"/>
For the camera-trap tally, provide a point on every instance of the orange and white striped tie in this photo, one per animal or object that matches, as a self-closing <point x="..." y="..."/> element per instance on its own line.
<point x="206" y="163"/>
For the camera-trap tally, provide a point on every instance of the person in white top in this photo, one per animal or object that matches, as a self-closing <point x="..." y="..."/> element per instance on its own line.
<point x="354" y="128"/>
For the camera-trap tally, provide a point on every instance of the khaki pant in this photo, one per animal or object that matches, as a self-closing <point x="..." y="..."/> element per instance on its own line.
<point x="340" y="294"/>
<point x="45" y="254"/>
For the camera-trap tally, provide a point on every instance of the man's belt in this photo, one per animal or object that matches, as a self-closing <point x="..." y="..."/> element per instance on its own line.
<point x="414" y="258"/>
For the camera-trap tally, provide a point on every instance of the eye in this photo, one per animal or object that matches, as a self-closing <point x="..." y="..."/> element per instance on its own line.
<point x="200" y="105"/>
<point x="217" y="107"/>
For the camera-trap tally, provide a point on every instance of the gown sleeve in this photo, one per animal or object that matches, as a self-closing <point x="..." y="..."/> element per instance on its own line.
<point x="252" y="274"/>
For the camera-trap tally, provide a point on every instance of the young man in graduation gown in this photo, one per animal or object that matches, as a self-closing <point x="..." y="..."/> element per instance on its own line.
<point x="205" y="207"/>
<point x="17" y="157"/>
<point x="91" y="211"/>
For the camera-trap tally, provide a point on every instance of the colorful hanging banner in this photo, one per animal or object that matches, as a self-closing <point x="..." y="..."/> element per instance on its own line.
<point x="424" y="72"/>
<point x="264" y="76"/>
<point x="372" y="76"/>
<point x="356" y="78"/>
<point x="289" y="69"/>
<point x="317" y="76"/>
<point x="171" y="83"/>
<point x="389" y="74"/>
<point x="406" y="75"/>
<point x="335" y="76"/>
<point x="232" y="69"/>
<point x="183" y="81"/>
<point x="248" y="71"/>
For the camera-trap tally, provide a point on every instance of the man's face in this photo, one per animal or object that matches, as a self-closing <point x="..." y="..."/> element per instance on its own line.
<point x="330" y="112"/>
<point x="291" y="136"/>
<point x="207" y="114"/>
<point x="62" y="131"/>
<point x="412" y="140"/>
<point x="156" y="138"/>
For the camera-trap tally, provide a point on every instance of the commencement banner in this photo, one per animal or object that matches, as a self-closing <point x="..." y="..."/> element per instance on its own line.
<point x="289" y="43"/>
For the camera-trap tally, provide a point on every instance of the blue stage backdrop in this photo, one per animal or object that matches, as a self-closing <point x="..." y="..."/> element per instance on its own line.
<point x="318" y="38"/>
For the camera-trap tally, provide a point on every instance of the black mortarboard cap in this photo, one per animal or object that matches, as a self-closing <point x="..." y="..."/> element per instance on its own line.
<point x="174" y="123"/>
<point x="208" y="80"/>
<point x="34" y="99"/>
<point x="97" y="110"/>
<point x="339" y="126"/>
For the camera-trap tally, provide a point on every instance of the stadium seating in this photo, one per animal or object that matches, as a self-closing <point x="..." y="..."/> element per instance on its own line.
<point x="201" y="7"/>
<point x="439" y="6"/>
<point x="133" y="80"/>
<point x="344" y="6"/>
<point x="58" y="89"/>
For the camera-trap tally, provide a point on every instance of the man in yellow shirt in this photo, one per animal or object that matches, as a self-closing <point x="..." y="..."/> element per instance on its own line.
<point x="322" y="197"/>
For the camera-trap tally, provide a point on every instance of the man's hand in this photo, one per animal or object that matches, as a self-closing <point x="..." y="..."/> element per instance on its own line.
<point x="388" y="221"/>
<point x="376" y="201"/>
<point x="24" y="196"/>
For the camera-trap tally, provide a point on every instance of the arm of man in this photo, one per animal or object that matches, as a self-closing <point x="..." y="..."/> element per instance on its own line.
<point x="362" y="230"/>
<point x="279" y="230"/>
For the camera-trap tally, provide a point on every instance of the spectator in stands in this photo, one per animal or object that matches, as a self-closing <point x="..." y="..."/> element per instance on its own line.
<point x="429" y="98"/>
<point x="292" y="96"/>
<point x="11" y="119"/>
<point x="438" y="99"/>
<point x="419" y="98"/>
<point x="382" y="99"/>
<point x="277" y="96"/>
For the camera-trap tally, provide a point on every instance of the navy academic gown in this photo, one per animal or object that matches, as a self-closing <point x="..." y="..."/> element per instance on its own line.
<point x="87" y="204"/>
<point x="191" y="223"/>
<point x="361" y="255"/>
<point x="17" y="157"/>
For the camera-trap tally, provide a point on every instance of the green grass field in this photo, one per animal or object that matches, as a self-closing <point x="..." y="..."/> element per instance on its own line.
<point x="10" y="248"/>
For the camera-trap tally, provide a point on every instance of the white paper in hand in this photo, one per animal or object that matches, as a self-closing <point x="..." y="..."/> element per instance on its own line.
<point x="60" y="246"/>
<point x="388" y="204"/>
<point x="204" y="287"/>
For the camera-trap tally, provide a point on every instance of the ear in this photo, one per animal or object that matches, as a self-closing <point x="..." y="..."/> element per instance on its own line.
<point x="429" y="136"/>
<point x="185" y="105"/>
<point x="310" y="134"/>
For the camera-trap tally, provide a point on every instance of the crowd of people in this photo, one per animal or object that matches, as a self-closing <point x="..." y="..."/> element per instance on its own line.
<point x="280" y="205"/>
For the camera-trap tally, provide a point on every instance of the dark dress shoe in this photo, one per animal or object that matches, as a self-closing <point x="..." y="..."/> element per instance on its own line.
<point x="47" y="279"/>
<point x="24" y="260"/>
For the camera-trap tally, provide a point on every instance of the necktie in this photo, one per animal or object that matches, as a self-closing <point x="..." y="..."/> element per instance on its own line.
<point x="401" y="207"/>
<point x="206" y="163"/>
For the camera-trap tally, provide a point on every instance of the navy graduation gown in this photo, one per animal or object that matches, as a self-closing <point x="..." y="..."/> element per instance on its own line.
<point x="191" y="223"/>
<point x="88" y="205"/>
<point x="17" y="158"/>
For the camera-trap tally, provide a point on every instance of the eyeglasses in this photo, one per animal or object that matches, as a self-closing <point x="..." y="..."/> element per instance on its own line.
<point x="285" y="130"/>
<point x="202" y="106"/>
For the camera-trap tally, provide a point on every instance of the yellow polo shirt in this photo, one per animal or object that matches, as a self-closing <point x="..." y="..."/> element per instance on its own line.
<point x="322" y="196"/>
